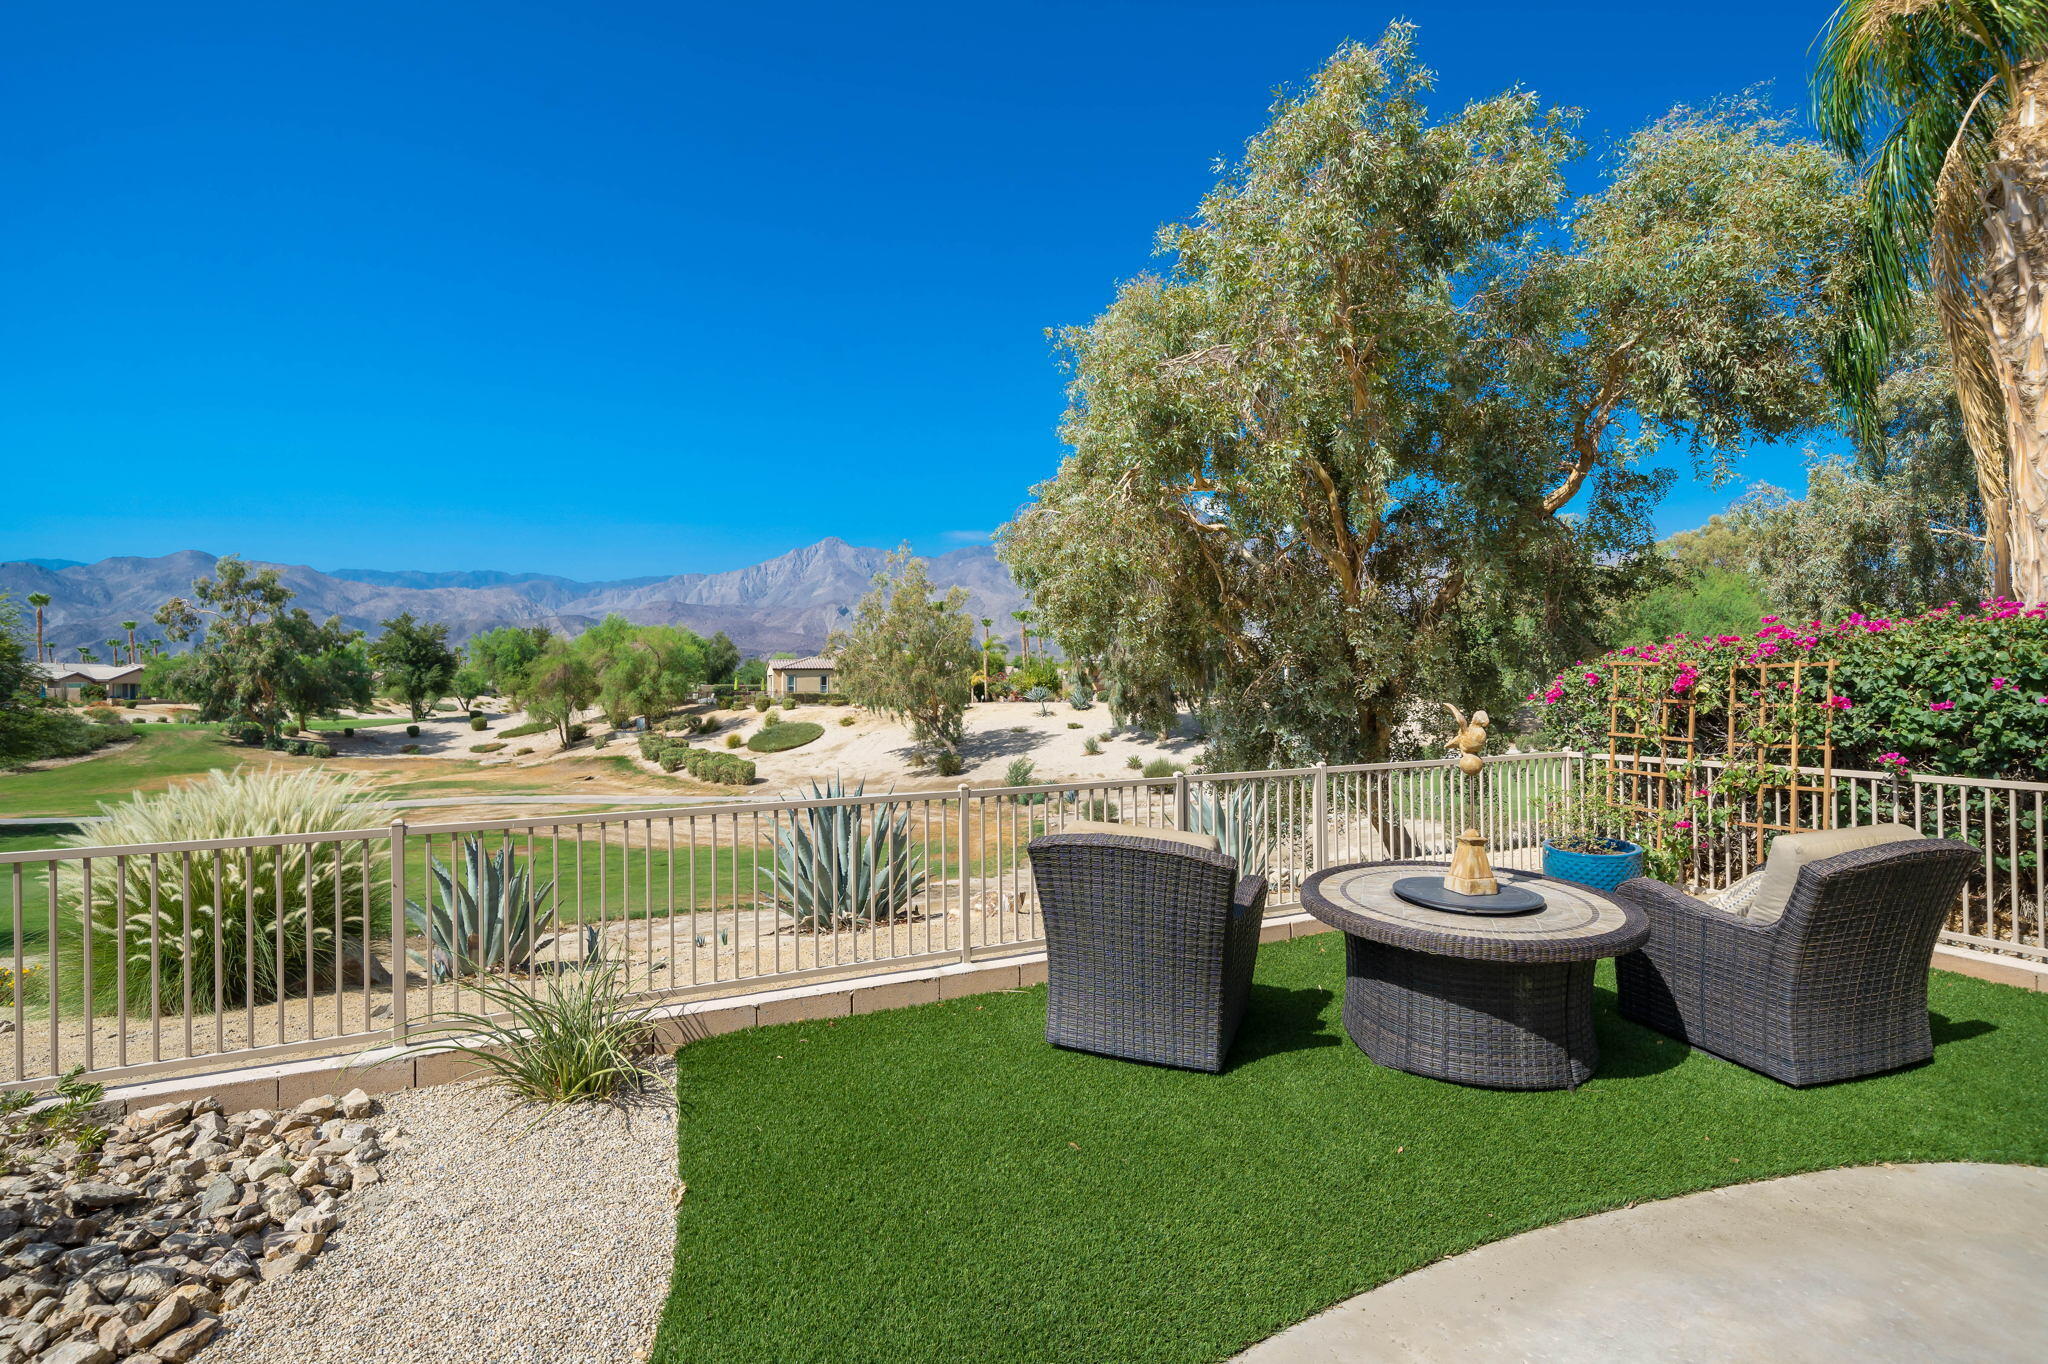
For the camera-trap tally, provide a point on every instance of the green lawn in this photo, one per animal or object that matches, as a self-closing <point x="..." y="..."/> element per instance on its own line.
<point x="938" y="1184"/>
<point x="145" y="761"/>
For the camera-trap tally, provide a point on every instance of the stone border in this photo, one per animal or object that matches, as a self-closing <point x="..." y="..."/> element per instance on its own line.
<point x="291" y="1083"/>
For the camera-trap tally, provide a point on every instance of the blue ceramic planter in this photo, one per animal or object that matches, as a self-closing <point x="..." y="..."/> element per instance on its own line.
<point x="1601" y="870"/>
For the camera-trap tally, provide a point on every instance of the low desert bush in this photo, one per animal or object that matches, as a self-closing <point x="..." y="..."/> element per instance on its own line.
<point x="485" y="748"/>
<point x="521" y="731"/>
<point x="580" y="1040"/>
<point x="412" y="731"/>
<point x="1091" y="747"/>
<point x="1135" y="763"/>
<point x="1160" y="767"/>
<point x="733" y="741"/>
<point x="478" y="722"/>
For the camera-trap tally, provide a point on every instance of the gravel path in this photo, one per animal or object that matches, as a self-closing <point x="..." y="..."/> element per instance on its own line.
<point x="487" y="1243"/>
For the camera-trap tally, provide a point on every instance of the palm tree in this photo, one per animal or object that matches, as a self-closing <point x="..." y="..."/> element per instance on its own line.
<point x="86" y="655"/>
<point x="39" y="600"/>
<point x="1024" y="618"/>
<point x="129" y="626"/>
<point x="987" y="624"/>
<point x="1944" y="106"/>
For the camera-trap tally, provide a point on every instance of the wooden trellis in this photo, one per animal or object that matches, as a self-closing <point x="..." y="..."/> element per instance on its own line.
<point x="1657" y="753"/>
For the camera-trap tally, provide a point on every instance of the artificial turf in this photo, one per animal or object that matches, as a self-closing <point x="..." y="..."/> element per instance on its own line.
<point x="936" y="1183"/>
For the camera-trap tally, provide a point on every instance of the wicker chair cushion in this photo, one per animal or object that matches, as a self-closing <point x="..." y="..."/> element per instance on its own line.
<point x="1206" y="842"/>
<point x="1739" y="898"/>
<point x="1793" y="851"/>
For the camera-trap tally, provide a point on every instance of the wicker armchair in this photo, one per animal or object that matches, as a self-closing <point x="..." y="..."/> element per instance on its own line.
<point x="1150" y="938"/>
<point x="1833" y="988"/>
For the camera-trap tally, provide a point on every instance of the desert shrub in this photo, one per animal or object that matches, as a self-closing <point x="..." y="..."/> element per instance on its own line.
<point x="733" y="741"/>
<point x="1081" y="698"/>
<point x="274" y="744"/>
<point x="948" y="763"/>
<point x="102" y="715"/>
<point x="1018" y="773"/>
<point x="770" y="720"/>
<point x="486" y="748"/>
<point x="521" y="752"/>
<point x="1091" y="747"/>
<point x="580" y="1041"/>
<point x="50" y="733"/>
<point x="488" y="918"/>
<point x="1073" y="724"/>
<point x="320" y="750"/>
<point x="251" y="735"/>
<point x="348" y="731"/>
<point x="478" y="722"/>
<point x="577" y="732"/>
<point x="313" y="892"/>
<point x="603" y="739"/>
<point x="1160" y="767"/>
<point x="296" y="747"/>
<point x="163" y="719"/>
<point x="761" y="703"/>
<point x="725" y="769"/>
<point x="1135" y="763"/>
<point x="412" y="731"/>
<point x="1100" y="811"/>
<point x="521" y="731"/>
<point x="408" y="748"/>
<point x="139" y="720"/>
<point x="789" y="703"/>
<point x="1106" y="735"/>
<point x="846" y="720"/>
<point x="781" y="738"/>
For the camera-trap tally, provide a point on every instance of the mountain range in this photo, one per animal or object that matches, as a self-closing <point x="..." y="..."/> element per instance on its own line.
<point x="790" y="603"/>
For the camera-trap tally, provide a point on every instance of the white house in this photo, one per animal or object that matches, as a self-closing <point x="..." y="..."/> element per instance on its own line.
<point x="68" y="681"/>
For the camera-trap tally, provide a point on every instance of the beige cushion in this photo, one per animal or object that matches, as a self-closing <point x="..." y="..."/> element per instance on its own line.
<point x="1207" y="842"/>
<point x="1793" y="851"/>
<point x="1739" y="898"/>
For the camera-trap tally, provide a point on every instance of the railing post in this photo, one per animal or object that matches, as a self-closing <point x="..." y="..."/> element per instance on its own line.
<point x="967" y="908"/>
<point x="1180" y="801"/>
<point x="398" y="974"/>
<point x="1319" y="820"/>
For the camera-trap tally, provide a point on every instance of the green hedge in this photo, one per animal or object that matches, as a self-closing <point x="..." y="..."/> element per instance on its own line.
<point x="723" y="768"/>
<point x="787" y="735"/>
<point x="521" y="731"/>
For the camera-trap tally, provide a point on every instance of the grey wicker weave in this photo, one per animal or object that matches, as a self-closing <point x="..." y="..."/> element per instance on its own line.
<point x="1834" y="989"/>
<point x="1504" y="1003"/>
<point x="1149" y="946"/>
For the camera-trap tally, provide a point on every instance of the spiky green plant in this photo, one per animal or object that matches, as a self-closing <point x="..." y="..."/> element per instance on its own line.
<point x="487" y="921"/>
<point x="845" y="864"/>
<point x="243" y="925"/>
<point x="1236" y="815"/>
<point x="578" y="1041"/>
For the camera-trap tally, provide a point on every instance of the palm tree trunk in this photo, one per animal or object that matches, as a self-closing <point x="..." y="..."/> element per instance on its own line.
<point x="2016" y="307"/>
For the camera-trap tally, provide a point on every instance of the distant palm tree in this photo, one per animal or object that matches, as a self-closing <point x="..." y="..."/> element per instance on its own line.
<point x="129" y="626"/>
<point x="39" y="600"/>
<point x="987" y="623"/>
<point x="1954" y="93"/>
<point x="1024" y="618"/>
<point x="114" y="651"/>
<point x="86" y="655"/>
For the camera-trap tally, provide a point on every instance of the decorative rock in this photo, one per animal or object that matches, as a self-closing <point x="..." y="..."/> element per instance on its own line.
<point x="319" y="1109"/>
<point x="356" y="1104"/>
<point x="169" y="1315"/>
<point x="76" y="1352"/>
<point x="94" y="1195"/>
<point x="184" y="1343"/>
<point x="160" y="1117"/>
<point x="220" y="1194"/>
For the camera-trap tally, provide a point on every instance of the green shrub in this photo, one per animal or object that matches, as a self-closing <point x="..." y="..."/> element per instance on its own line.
<point x="485" y="748"/>
<point x="274" y="744"/>
<point x="576" y="732"/>
<point x="1160" y="767"/>
<point x="320" y="750"/>
<point x="781" y="738"/>
<point x="761" y="703"/>
<point x="102" y="715"/>
<point x="251" y="735"/>
<point x="163" y="719"/>
<point x="1135" y="763"/>
<point x="521" y="731"/>
<point x="733" y="741"/>
<point x="789" y="703"/>
<point x="1018" y="773"/>
<point x="949" y="764"/>
<point x="314" y="892"/>
<point x="348" y="731"/>
<point x="1106" y="735"/>
<point x="581" y="1041"/>
<point x="1100" y="811"/>
<point x="297" y="748"/>
<point x="1091" y="747"/>
<point x="412" y="731"/>
<point x="139" y="720"/>
<point x="845" y="720"/>
<point x="478" y="722"/>
<point x="521" y="752"/>
<point x="604" y="738"/>
<point x="770" y="720"/>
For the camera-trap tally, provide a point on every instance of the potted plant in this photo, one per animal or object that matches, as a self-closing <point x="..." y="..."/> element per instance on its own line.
<point x="1582" y="847"/>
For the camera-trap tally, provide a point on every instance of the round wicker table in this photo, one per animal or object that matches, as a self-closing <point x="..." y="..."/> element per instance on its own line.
<point x="1502" y="1002"/>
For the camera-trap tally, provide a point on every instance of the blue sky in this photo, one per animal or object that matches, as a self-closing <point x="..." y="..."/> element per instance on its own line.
<point x="610" y="289"/>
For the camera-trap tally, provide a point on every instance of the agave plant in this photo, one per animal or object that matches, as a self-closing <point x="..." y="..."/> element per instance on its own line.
<point x="1236" y="815"/>
<point x="846" y="864"/>
<point x="489" y="919"/>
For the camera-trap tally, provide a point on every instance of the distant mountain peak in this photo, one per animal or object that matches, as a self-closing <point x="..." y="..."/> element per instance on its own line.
<point x="788" y="603"/>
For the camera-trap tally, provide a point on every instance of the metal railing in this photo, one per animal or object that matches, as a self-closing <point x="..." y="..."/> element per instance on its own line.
<point x="152" y="958"/>
<point x="2002" y="907"/>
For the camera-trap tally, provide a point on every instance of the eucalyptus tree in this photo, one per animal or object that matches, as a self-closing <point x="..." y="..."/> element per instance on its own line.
<point x="1382" y="431"/>
<point x="1945" y="105"/>
<point x="910" y="654"/>
<point x="415" y="661"/>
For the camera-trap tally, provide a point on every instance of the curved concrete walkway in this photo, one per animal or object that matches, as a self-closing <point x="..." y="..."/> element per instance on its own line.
<point x="1903" y="1262"/>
